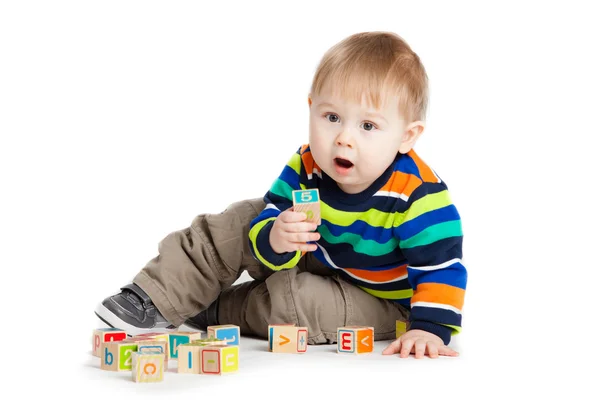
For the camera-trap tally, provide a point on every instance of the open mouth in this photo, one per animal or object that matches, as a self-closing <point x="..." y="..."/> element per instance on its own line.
<point x="343" y="163"/>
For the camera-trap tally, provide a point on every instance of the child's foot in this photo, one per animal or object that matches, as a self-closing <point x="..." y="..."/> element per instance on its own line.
<point x="133" y="311"/>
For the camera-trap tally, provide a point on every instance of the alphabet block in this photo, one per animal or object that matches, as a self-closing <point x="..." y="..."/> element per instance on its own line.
<point x="150" y="345"/>
<point x="401" y="327"/>
<point x="189" y="358"/>
<point x="229" y="333"/>
<point x="208" y="341"/>
<point x="106" y="335"/>
<point x="308" y="202"/>
<point x="117" y="356"/>
<point x="179" y="338"/>
<point x="355" y="339"/>
<point x="148" y="367"/>
<point x="156" y="336"/>
<point x="287" y="338"/>
<point x="219" y="359"/>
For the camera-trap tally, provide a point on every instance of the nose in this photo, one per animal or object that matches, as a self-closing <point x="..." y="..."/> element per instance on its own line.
<point x="345" y="139"/>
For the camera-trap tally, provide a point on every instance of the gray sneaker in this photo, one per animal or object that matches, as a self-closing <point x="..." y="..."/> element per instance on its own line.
<point x="133" y="311"/>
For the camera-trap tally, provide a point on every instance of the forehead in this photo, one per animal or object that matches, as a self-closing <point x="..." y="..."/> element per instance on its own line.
<point x="386" y="104"/>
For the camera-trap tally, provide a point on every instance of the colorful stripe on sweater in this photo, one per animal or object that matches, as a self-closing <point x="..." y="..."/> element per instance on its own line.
<point x="401" y="239"/>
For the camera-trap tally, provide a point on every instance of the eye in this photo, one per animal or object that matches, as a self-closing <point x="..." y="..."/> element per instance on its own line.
<point x="332" y="118"/>
<point x="369" y="126"/>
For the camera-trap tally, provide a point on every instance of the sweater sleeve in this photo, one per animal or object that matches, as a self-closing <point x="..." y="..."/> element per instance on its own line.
<point x="277" y="199"/>
<point x="431" y="237"/>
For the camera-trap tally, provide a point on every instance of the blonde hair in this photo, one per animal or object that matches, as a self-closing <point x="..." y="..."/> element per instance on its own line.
<point x="375" y="64"/>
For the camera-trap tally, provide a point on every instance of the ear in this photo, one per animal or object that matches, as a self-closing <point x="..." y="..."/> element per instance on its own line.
<point x="411" y="135"/>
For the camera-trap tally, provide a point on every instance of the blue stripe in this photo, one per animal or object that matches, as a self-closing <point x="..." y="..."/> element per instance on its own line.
<point x="407" y="165"/>
<point x="408" y="229"/>
<point x="453" y="275"/>
<point x="435" y="253"/>
<point x="289" y="176"/>
<point x="363" y="229"/>
<point x="437" y="315"/>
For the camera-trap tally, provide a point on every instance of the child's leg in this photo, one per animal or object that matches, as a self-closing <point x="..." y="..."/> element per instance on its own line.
<point x="299" y="296"/>
<point x="193" y="266"/>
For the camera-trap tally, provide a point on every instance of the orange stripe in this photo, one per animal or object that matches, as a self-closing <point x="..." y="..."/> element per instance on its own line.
<point x="402" y="183"/>
<point x="426" y="173"/>
<point x="439" y="293"/>
<point x="378" y="276"/>
<point x="308" y="161"/>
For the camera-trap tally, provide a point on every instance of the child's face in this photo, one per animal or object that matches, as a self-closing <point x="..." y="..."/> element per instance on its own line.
<point x="353" y="143"/>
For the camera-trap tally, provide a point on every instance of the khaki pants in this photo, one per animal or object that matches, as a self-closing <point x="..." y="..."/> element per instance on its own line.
<point x="197" y="264"/>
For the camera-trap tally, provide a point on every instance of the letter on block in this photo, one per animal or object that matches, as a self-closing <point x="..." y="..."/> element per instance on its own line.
<point x="307" y="201"/>
<point x="180" y="337"/>
<point x="117" y="356"/>
<point x="400" y="328"/>
<point x="287" y="338"/>
<point x="229" y="333"/>
<point x="355" y="339"/>
<point x="219" y="359"/>
<point x="189" y="358"/>
<point x="106" y="335"/>
<point x="156" y="336"/>
<point x="147" y="367"/>
<point x="148" y="345"/>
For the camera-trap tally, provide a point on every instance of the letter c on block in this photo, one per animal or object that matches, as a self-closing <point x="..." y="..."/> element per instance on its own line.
<point x="153" y="366"/>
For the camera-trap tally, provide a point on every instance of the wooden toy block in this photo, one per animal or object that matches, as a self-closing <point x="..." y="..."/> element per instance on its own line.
<point x="189" y="358"/>
<point x="156" y="336"/>
<point x="208" y="341"/>
<point x="106" y="335"/>
<point x="179" y="338"/>
<point x="307" y="201"/>
<point x="229" y="333"/>
<point x="219" y="359"/>
<point x="401" y="327"/>
<point x="287" y="338"/>
<point x="117" y="356"/>
<point x="355" y="339"/>
<point x="150" y="345"/>
<point x="148" y="367"/>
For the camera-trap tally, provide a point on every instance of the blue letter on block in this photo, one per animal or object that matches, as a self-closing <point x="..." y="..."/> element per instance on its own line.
<point x="231" y="335"/>
<point x="108" y="354"/>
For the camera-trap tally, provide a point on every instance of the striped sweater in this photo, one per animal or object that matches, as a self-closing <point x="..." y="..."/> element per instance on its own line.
<point x="400" y="239"/>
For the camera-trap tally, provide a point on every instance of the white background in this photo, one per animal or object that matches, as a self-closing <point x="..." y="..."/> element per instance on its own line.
<point x="122" y="120"/>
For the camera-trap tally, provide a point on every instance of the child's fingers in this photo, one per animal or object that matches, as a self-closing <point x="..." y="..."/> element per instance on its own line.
<point x="392" y="348"/>
<point x="300" y="227"/>
<point x="419" y="348"/>
<point x="432" y="349"/>
<point x="407" y="346"/>
<point x="289" y="216"/>
<point x="447" y="351"/>
<point x="303" y="237"/>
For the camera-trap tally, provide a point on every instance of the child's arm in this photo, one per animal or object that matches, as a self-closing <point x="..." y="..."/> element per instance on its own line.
<point x="278" y="235"/>
<point x="431" y="239"/>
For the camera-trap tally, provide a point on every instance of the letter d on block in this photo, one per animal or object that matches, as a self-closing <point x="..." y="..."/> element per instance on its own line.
<point x="108" y="354"/>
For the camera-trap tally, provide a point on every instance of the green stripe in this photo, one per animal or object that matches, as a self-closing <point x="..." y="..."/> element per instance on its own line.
<point x="254" y="234"/>
<point x="372" y="217"/>
<point x="455" y="329"/>
<point x="360" y="245"/>
<point x="295" y="163"/>
<point x="282" y="188"/>
<point x="389" y="294"/>
<point x="428" y="203"/>
<point x="433" y="234"/>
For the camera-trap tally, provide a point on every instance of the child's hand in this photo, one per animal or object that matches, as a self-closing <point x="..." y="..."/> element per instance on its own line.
<point x="419" y="343"/>
<point x="289" y="233"/>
